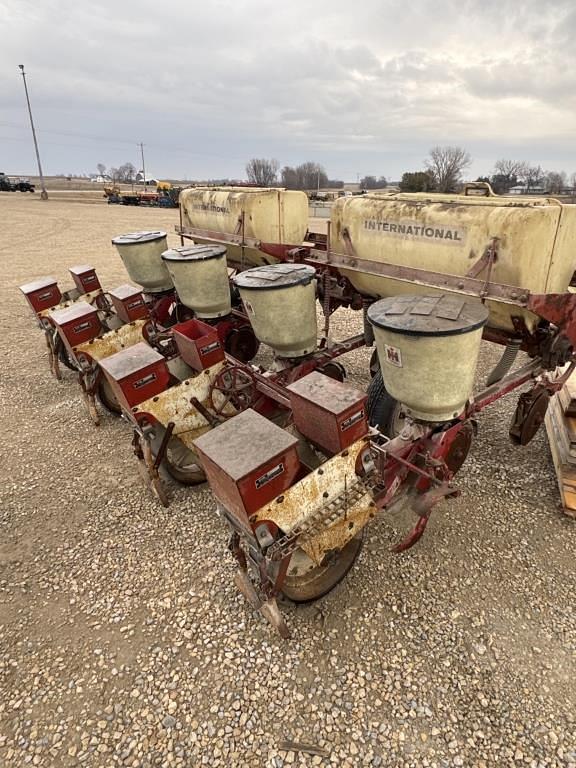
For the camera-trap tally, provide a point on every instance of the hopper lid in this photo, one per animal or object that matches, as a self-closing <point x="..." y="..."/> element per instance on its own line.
<point x="38" y="285"/>
<point x="130" y="360"/>
<point x="76" y="311"/>
<point x="124" y="291"/>
<point x="137" y="238"/>
<point x="274" y="276"/>
<point x="194" y="253"/>
<point x="443" y="315"/>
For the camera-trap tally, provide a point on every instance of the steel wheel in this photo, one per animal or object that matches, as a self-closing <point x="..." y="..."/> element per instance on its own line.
<point x="306" y="581"/>
<point x="182" y="463"/>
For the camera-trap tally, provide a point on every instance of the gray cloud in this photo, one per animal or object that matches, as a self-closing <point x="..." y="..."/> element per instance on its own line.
<point x="364" y="88"/>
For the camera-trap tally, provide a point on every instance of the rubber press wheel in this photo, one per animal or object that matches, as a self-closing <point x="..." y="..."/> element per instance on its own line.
<point x="306" y="581"/>
<point x="384" y="411"/>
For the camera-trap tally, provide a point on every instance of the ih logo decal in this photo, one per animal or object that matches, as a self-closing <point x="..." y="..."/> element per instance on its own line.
<point x="393" y="355"/>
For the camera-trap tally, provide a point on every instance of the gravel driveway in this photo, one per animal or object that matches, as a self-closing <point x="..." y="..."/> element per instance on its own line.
<point x="123" y="641"/>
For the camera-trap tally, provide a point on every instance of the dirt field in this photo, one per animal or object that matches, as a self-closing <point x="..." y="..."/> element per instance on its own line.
<point x="124" y="642"/>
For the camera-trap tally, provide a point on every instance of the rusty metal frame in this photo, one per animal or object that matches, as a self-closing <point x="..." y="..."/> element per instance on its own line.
<point x="221" y="238"/>
<point x="470" y="286"/>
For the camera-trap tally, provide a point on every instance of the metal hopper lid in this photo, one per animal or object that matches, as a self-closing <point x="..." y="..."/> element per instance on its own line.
<point x="137" y="238"/>
<point x="194" y="253"/>
<point x="443" y="315"/>
<point x="274" y="276"/>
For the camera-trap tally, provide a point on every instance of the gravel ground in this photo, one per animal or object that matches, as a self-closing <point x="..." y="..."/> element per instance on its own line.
<point x="124" y="642"/>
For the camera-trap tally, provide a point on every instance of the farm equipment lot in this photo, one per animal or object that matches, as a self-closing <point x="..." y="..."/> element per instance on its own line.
<point x="123" y="640"/>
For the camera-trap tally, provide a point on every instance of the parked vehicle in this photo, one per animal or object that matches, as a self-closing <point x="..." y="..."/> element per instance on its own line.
<point x="20" y="185"/>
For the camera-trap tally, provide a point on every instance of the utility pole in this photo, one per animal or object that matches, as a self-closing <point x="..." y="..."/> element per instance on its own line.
<point x="143" y="166"/>
<point x="43" y="194"/>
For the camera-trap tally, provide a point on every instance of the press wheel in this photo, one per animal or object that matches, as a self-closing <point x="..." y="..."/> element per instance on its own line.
<point x="384" y="411"/>
<point x="107" y="397"/>
<point x="63" y="354"/>
<point x="182" y="463"/>
<point x="306" y="581"/>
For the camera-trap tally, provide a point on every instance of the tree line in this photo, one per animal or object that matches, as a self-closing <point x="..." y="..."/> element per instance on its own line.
<point x="444" y="168"/>
<point x="125" y="173"/>
<point x="266" y="173"/>
<point x="442" y="172"/>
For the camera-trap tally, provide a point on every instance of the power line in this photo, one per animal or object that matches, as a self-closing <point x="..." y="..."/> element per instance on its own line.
<point x="162" y="147"/>
<point x="70" y="133"/>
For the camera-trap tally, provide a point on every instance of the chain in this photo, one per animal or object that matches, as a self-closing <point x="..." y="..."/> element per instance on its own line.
<point x="317" y="521"/>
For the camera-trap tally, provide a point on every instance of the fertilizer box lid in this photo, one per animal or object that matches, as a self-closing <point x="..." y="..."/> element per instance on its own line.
<point x="443" y="315"/>
<point x="332" y="415"/>
<point x="249" y="461"/>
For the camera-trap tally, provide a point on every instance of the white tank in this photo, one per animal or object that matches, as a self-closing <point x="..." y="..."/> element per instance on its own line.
<point x="449" y="233"/>
<point x="428" y="349"/>
<point x="200" y="276"/>
<point x="272" y="216"/>
<point x="141" y="254"/>
<point x="280" y="301"/>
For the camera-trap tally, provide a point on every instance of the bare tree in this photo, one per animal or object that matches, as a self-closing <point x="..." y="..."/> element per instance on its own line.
<point x="101" y="169"/>
<point x="511" y="168"/>
<point x="446" y="164"/>
<point x="555" y="182"/>
<point x="308" y="175"/>
<point x="371" y="182"/>
<point x="262" y="172"/>
<point x="573" y="180"/>
<point x="507" y="174"/>
<point x="289" y="177"/>
<point x="533" y="177"/>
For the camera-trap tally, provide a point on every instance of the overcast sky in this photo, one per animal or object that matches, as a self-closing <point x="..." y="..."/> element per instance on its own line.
<point x="364" y="87"/>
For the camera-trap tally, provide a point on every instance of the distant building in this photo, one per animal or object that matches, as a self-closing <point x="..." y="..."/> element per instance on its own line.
<point x="150" y="180"/>
<point x="521" y="189"/>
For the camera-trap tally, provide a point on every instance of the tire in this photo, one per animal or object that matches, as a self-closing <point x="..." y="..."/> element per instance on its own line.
<point x="63" y="355"/>
<point x="108" y="398"/>
<point x="384" y="411"/>
<point x="317" y="581"/>
<point x="182" y="464"/>
<point x="374" y="363"/>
